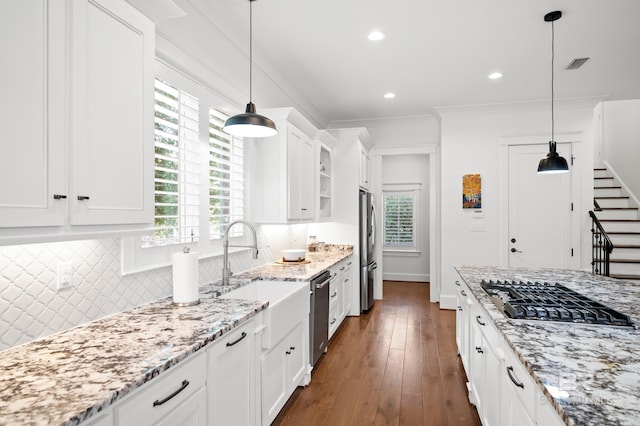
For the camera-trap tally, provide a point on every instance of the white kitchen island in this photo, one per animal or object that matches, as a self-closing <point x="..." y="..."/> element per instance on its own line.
<point x="586" y="374"/>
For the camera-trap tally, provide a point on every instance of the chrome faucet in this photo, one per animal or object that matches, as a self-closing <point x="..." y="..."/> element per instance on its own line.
<point x="226" y="264"/>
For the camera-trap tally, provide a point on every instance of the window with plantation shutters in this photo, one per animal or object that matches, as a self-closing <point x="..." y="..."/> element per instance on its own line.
<point x="226" y="178"/>
<point x="181" y="159"/>
<point x="198" y="175"/>
<point x="177" y="167"/>
<point x="399" y="209"/>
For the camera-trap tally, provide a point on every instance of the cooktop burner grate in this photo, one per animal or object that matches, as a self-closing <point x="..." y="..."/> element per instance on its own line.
<point x="550" y="302"/>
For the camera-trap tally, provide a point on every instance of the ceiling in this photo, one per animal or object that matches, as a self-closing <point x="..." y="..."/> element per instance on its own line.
<point x="436" y="52"/>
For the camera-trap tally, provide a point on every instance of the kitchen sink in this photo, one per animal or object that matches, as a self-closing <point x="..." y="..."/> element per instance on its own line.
<point x="287" y="300"/>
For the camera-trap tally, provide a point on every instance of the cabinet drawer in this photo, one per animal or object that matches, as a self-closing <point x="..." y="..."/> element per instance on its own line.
<point x="520" y="381"/>
<point x="160" y="397"/>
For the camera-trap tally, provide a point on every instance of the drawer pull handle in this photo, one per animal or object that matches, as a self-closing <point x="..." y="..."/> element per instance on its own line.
<point x="242" y="336"/>
<point x="184" y="385"/>
<point x="342" y="269"/>
<point x="82" y="197"/>
<point x="333" y="321"/>
<point x="334" y="294"/>
<point x="478" y="317"/>
<point x="513" y="379"/>
<point x="458" y="283"/>
<point x="462" y="292"/>
<point x="288" y="352"/>
<point x="59" y="197"/>
<point x="292" y="348"/>
<point x="480" y="351"/>
<point x="460" y="308"/>
<point x="349" y="263"/>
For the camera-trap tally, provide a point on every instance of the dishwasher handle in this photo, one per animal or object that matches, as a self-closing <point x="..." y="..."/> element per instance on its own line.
<point x="323" y="283"/>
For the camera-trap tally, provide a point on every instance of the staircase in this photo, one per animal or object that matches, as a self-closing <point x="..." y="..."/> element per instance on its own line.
<point x="620" y="219"/>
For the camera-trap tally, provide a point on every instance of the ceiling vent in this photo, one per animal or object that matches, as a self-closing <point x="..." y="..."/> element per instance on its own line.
<point x="577" y="63"/>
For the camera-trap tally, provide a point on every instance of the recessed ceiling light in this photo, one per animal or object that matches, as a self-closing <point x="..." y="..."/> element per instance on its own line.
<point x="376" y="36"/>
<point x="495" y="75"/>
<point x="389" y="95"/>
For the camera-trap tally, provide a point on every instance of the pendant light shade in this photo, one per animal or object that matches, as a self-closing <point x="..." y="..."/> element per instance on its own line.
<point x="554" y="163"/>
<point x="249" y="124"/>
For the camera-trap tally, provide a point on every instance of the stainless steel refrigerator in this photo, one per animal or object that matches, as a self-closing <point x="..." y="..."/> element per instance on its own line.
<point x="368" y="263"/>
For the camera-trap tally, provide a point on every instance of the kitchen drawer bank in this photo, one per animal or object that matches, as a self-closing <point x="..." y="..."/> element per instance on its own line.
<point x="80" y="373"/>
<point x="586" y="374"/>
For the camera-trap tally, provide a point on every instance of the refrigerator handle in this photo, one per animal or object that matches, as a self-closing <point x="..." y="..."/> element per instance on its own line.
<point x="373" y="226"/>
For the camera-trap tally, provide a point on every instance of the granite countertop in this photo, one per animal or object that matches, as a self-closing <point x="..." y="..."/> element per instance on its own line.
<point x="319" y="261"/>
<point x="65" y="378"/>
<point x="590" y="373"/>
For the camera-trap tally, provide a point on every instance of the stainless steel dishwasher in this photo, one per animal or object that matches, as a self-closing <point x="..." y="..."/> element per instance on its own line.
<point x="319" y="317"/>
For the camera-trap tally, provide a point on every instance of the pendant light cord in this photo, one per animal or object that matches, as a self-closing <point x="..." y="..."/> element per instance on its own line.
<point x="251" y="50"/>
<point x="552" y="92"/>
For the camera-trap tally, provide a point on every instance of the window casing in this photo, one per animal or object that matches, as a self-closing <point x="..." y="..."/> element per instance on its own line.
<point x="199" y="175"/>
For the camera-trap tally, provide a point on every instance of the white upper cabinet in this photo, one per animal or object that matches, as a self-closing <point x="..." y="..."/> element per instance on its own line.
<point x="285" y="169"/>
<point x="324" y="183"/>
<point x="32" y="114"/>
<point x="112" y="114"/>
<point x="78" y="113"/>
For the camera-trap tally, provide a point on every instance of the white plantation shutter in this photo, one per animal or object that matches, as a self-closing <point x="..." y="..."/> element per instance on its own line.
<point x="177" y="167"/>
<point x="226" y="178"/>
<point x="399" y="219"/>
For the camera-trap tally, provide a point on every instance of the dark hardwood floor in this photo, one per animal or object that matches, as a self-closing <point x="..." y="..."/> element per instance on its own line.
<point x="396" y="365"/>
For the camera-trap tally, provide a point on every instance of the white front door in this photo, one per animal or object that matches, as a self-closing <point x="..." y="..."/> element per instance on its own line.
<point x="539" y="210"/>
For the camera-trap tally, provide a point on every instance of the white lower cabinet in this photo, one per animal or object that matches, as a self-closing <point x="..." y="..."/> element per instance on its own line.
<point x="231" y="378"/>
<point x="102" y="419"/>
<point x="340" y="296"/>
<point x="462" y="324"/>
<point x="283" y="369"/>
<point x="177" y="397"/>
<point x="500" y="387"/>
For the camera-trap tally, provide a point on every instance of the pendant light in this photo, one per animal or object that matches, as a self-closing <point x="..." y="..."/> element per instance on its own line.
<point x="249" y="124"/>
<point x="553" y="163"/>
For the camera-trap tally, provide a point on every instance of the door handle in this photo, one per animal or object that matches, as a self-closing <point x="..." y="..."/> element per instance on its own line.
<point x="513" y="250"/>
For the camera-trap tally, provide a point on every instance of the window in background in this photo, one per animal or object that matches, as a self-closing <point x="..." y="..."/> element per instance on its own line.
<point x="400" y="225"/>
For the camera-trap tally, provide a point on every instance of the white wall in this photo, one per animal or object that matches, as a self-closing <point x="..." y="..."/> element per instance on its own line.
<point x="621" y="141"/>
<point x="409" y="169"/>
<point x="472" y="142"/>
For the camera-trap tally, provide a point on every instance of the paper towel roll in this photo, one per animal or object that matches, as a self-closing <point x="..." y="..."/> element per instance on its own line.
<point x="185" y="278"/>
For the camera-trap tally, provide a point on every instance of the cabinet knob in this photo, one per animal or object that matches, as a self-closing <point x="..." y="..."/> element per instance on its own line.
<point x="82" y="197"/>
<point x="59" y="197"/>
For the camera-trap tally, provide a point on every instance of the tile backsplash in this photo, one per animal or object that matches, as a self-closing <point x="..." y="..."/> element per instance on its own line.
<point x="31" y="307"/>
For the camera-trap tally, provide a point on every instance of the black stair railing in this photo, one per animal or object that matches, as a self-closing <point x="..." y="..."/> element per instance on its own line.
<point x="601" y="247"/>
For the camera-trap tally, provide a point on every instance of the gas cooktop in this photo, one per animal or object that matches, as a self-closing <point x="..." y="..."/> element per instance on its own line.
<point x="550" y="302"/>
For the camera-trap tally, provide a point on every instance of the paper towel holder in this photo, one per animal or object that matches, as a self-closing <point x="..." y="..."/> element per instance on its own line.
<point x="185" y="250"/>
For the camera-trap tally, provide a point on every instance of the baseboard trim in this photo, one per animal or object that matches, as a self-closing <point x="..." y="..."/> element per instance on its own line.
<point x="421" y="278"/>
